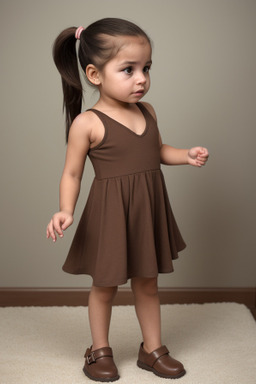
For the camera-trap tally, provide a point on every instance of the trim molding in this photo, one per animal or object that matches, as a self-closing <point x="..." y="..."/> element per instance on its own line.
<point x="20" y="297"/>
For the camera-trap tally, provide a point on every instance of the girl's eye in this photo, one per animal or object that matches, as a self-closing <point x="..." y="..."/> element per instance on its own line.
<point x="128" y="70"/>
<point x="146" y="69"/>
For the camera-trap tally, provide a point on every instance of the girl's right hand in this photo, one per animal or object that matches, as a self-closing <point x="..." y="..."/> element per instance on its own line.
<point x="59" y="222"/>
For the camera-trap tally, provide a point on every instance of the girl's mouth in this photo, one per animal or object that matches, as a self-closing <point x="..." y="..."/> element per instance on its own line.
<point x="139" y="92"/>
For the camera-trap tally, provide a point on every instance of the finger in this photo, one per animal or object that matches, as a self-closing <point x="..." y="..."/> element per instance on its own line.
<point x="201" y="160"/>
<point x="203" y="157"/>
<point x="51" y="232"/>
<point x="195" y="163"/>
<point x="205" y="152"/>
<point x="57" y="226"/>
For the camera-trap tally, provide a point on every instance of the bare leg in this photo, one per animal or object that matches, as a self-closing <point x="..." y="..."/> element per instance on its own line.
<point x="147" y="307"/>
<point x="100" y="308"/>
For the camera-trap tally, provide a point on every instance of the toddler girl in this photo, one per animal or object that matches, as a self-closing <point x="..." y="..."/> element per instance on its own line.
<point x="127" y="229"/>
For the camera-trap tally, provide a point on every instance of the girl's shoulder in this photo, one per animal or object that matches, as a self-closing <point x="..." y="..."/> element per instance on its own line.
<point x="85" y="132"/>
<point x="88" y="128"/>
<point x="85" y="120"/>
<point x="84" y="124"/>
<point x="149" y="108"/>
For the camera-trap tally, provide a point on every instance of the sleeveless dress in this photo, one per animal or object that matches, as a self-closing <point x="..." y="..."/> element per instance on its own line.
<point x="127" y="228"/>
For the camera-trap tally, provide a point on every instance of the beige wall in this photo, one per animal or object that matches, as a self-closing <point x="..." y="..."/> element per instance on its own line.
<point x="203" y="89"/>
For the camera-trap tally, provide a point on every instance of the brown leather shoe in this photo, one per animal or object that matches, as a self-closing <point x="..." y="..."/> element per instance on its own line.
<point x="160" y="363"/>
<point x="99" y="365"/>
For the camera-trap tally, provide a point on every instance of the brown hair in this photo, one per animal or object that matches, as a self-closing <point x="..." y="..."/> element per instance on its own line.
<point x="96" y="47"/>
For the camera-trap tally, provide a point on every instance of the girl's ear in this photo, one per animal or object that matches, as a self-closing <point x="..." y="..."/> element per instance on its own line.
<point x="92" y="74"/>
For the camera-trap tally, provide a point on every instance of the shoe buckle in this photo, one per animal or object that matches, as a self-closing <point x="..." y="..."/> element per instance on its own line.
<point x="90" y="358"/>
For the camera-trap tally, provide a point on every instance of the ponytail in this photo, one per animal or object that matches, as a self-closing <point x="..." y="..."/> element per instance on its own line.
<point x="65" y="58"/>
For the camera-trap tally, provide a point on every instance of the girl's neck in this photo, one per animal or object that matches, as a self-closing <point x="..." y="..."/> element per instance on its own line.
<point x="114" y="105"/>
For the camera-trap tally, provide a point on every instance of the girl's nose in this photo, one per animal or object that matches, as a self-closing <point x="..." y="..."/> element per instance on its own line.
<point x="141" y="78"/>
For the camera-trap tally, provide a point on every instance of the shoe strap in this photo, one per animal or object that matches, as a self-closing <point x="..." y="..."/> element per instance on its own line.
<point x="155" y="355"/>
<point x="92" y="356"/>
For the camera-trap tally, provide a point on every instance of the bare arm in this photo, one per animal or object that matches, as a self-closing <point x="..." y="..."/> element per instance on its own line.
<point x="78" y="146"/>
<point x="77" y="149"/>
<point x="173" y="156"/>
<point x="196" y="156"/>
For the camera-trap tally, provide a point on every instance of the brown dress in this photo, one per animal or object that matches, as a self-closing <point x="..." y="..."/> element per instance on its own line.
<point x="127" y="228"/>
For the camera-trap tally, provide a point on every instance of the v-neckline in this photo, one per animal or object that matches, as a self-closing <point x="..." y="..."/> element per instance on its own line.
<point x="124" y="126"/>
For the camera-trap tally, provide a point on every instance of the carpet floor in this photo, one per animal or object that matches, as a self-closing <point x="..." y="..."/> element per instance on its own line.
<point x="45" y="345"/>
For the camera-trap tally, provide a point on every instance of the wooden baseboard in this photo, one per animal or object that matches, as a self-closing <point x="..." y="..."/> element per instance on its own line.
<point x="77" y="296"/>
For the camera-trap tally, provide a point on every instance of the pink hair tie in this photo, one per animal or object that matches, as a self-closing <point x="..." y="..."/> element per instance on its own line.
<point x="78" y="32"/>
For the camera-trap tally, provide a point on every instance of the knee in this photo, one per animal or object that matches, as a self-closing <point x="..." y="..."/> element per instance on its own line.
<point x="104" y="294"/>
<point x="144" y="286"/>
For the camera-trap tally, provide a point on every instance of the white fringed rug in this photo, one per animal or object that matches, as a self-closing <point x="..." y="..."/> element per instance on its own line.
<point x="45" y="345"/>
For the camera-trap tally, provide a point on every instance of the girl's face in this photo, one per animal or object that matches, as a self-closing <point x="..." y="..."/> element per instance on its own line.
<point x="125" y="78"/>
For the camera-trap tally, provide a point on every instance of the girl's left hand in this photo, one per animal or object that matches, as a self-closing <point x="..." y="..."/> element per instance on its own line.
<point x="198" y="156"/>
